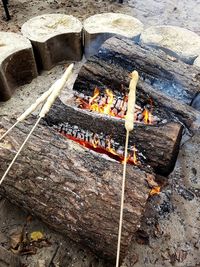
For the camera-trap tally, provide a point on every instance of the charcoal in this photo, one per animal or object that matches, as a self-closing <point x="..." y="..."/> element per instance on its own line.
<point x="115" y="111"/>
<point x="118" y="104"/>
<point x="87" y="136"/>
<point x="140" y="117"/>
<point x="79" y="135"/>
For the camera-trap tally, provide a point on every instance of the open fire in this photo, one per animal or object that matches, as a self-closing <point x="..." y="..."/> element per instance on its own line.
<point x="109" y="104"/>
<point x="115" y="106"/>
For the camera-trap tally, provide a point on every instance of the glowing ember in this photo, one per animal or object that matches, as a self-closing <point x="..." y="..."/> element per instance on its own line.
<point x="110" y="105"/>
<point x="95" y="143"/>
<point x="155" y="190"/>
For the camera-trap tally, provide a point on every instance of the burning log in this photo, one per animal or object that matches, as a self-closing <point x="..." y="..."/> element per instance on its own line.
<point x="158" y="143"/>
<point x="168" y="82"/>
<point x="164" y="73"/>
<point x="116" y="107"/>
<point x="72" y="189"/>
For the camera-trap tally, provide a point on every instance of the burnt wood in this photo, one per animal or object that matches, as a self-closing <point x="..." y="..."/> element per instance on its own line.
<point x="171" y="84"/>
<point x="165" y="73"/>
<point x="72" y="189"/>
<point x="158" y="143"/>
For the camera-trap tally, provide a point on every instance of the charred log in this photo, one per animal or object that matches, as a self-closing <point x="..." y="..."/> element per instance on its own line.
<point x="174" y="78"/>
<point x="72" y="189"/>
<point x="170" y="84"/>
<point x="158" y="143"/>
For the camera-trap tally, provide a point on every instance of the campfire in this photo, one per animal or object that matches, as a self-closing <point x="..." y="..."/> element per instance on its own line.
<point x="85" y="143"/>
<point x="115" y="106"/>
<point x="108" y="104"/>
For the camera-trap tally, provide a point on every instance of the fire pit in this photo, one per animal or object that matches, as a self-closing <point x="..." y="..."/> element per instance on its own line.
<point x="75" y="189"/>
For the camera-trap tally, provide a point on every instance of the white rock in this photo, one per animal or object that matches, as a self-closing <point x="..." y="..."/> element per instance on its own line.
<point x="55" y="37"/>
<point x="178" y="42"/>
<point x="100" y="27"/>
<point x="197" y="62"/>
<point x="17" y="63"/>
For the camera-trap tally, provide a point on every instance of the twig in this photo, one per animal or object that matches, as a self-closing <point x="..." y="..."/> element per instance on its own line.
<point x="45" y="109"/>
<point x="54" y="255"/>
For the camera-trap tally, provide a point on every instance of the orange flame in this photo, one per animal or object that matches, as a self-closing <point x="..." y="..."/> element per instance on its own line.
<point x="132" y="157"/>
<point x="104" y="108"/>
<point x="96" y="94"/>
<point x="147" y="116"/>
<point x="105" y="105"/>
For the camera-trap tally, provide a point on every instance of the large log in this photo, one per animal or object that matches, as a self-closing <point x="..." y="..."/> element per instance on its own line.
<point x="158" y="143"/>
<point x="171" y="84"/>
<point x="72" y="189"/>
<point x="8" y="259"/>
<point x="174" y="78"/>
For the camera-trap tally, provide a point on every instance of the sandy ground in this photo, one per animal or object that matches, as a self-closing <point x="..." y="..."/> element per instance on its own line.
<point x="176" y="240"/>
<point x="151" y="12"/>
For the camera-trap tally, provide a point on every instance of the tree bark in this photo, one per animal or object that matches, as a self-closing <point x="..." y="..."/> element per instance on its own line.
<point x="72" y="189"/>
<point x="158" y="143"/>
<point x="172" y="85"/>
<point x="164" y="73"/>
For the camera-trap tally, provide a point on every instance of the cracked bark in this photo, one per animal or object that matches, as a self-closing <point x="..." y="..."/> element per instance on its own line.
<point x="73" y="190"/>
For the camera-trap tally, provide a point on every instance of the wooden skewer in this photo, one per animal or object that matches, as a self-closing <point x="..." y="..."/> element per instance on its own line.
<point x="52" y="97"/>
<point x="32" y="108"/>
<point x="129" y="125"/>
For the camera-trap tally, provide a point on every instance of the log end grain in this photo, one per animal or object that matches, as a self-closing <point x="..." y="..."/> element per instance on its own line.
<point x="17" y="63"/>
<point x="100" y="27"/>
<point x="55" y="38"/>
<point x="177" y="41"/>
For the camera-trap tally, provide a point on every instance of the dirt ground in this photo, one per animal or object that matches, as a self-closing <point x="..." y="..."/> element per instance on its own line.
<point x="183" y="13"/>
<point x="176" y="240"/>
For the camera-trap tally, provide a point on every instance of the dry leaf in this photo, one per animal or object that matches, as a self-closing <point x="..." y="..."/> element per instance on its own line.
<point x="16" y="239"/>
<point x="150" y="180"/>
<point x="37" y="235"/>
